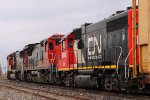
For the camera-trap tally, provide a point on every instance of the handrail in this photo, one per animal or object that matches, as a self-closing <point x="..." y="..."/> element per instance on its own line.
<point x="126" y="62"/>
<point x="119" y="57"/>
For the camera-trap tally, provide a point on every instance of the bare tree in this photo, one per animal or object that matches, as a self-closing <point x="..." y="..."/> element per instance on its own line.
<point x="0" y="70"/>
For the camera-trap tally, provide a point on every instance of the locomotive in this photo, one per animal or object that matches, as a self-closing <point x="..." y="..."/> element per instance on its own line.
<point x="96" y="55"/>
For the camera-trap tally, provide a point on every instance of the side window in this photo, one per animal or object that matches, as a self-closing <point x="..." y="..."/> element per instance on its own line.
<point x="63" y="45"/>
<point x="80" y="44"/>
<point x="57" y="42"/>
<point x="45" y="46"/>
<point x="37" y="55"/>
<point x="51" y="46"/>
<point x="70" y="42"/>
<point x="42" y="56"/>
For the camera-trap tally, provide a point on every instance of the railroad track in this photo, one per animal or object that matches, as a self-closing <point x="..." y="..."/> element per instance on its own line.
<point x="64" y="93"/>
<point x="41" y="93"/>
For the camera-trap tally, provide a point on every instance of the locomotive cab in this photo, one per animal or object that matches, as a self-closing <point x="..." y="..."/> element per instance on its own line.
<point x="13" y="65"/>
<point x="68" y="60"/>
<point x="53" y="56"/>
<point x="53" y="48"/>
<point x="10" y="61"/>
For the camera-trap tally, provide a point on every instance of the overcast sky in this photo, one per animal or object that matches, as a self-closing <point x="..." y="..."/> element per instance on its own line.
<point x="29" y="21"/>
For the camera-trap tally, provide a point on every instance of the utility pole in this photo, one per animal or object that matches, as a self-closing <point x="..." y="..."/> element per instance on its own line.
<point x="134" y="43"/>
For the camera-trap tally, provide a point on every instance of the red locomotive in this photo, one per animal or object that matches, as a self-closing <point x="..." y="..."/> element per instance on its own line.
<point x="96" y="55"/>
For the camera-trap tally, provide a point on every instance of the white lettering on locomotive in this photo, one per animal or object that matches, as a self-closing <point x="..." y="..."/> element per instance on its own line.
<point x="92" y="49"/>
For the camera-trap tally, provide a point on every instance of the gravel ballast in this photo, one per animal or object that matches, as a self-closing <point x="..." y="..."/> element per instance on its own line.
<point x="88" y="94"/>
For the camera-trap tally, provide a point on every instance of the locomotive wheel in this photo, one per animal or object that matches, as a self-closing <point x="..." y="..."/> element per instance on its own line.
<point x="141" y="86"/>
<point x="68" y="81"/>
<point x="108" y="83"/>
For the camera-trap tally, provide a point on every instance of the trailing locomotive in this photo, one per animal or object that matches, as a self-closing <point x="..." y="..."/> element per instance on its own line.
<point x="96" y="55"/>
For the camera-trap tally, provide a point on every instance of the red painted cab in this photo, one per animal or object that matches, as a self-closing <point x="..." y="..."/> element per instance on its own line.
<point x="54" y="48"/>
<point x="68" y="60"/>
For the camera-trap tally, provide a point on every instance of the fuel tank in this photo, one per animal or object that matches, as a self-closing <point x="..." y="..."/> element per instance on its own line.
<point x="86" y="81"/>
<point x="12" y="76"/>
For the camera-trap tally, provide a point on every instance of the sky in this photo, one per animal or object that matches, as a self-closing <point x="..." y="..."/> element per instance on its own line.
<point x="29" y="21"/>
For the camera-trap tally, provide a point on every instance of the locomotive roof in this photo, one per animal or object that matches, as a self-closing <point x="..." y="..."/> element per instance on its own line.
<point x="74" y="31"/>
<point x="64" y="37"/>
<point x="44" y="40"/>
<point x="117" y="16"/>
<point x="30" y="45"/>
<point x="101" y="24"/>
<point x="12" y="54"/>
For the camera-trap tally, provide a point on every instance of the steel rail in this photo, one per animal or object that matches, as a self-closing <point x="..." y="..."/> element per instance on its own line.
<point x="41" y="93"/>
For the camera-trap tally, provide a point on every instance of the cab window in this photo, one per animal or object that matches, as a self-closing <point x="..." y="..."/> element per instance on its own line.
<point x="80" y="44"/>
<point x="46" y="46"/>
<point x="70" y="42"/>
<point x="57" y="42"/>
<point x="51" y="46"/>
<point x="63" y="45"/>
